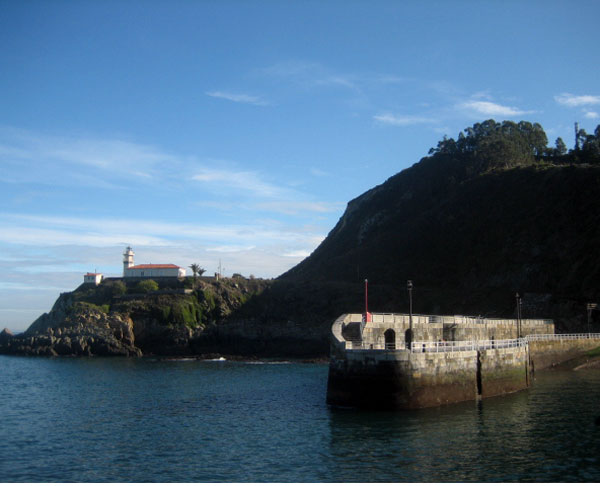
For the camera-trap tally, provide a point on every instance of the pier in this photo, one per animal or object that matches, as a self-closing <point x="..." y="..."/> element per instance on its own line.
<point x="386" y="361"/>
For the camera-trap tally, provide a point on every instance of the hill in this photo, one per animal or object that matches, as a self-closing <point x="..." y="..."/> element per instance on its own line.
<point x="133" y="317"/>
<point x="471" y="227"/>
<point x="481" y="218"/>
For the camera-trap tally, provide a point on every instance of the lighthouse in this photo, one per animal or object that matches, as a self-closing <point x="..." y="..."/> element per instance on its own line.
<point x="127" y="259"/>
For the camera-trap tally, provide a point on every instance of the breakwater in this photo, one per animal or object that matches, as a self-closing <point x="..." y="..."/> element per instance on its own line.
<point x="375" y="364"/>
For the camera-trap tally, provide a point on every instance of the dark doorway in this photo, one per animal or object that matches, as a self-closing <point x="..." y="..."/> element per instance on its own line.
<point x="390" y="339"/>
<point x="408" y="338"/>
<point x="479" y="381"/>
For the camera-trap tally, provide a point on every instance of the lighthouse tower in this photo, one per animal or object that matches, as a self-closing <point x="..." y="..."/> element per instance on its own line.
<point x="127" y="259"/>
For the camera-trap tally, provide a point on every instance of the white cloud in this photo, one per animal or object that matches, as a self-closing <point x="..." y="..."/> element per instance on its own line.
<point x="96" y="232"/>
<point x="31" y="157"/>
<point x="488" y="108"/>
<point x="247" y="181"/>
<point x="402" y="120"/>
<point x="591" y="114"/>
<point x="229" y="248"/>
<point x="298" y="254"/>
<point x="299" y="207"/>
<point x="310" y="74"/>
<point x="318" y="172"/>
<point x="571" y="100"/>
<point x="238" y="98"/>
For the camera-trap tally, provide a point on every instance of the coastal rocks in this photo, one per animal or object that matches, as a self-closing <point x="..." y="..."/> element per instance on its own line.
<point x="155" y="338"/>
<point x="5" y="336"/>
<point x="78" y="332"/>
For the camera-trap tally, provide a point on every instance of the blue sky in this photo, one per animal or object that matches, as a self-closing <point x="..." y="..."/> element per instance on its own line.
<point x="199" y="131"/>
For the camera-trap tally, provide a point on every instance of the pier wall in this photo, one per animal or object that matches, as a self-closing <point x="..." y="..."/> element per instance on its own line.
<point x="545" y="354"/>
<point x="404" y="380"/>
<point x="375" y="372"/>
<point x="447" y="328"/>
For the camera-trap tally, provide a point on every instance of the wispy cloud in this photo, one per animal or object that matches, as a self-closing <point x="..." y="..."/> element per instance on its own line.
<point x="81" y="160"/>
<point x="22" y="229"/>
<point x="238" y="98"/>
<point x="318" y="172"/>
<point x="311" y="74"/>
<point x="402" y="120"/>
<point x="571" y="100"/>
<point x="591" y="115"/>
<point x="299" y="207"/>
<point x="489" y="108"/>
<point x="241" y="180"/>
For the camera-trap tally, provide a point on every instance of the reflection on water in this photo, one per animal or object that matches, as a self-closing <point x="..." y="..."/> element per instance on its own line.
<point x="545" y="434"/>
<point x="143" y="420"/>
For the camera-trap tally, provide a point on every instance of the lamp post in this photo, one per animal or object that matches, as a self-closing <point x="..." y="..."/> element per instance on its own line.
<point x="366" y="300"/>
<point x="518" y="315"/>
<point x="409" y="287"/>
<point x="590" y="308"/>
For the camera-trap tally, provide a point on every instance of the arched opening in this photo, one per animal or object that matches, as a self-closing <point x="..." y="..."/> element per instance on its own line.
<point x="408" y="338"/>
<point x="390" y="339"/>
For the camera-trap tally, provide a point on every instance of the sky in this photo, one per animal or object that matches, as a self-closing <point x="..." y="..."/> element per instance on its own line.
<point x="235" y="132"/>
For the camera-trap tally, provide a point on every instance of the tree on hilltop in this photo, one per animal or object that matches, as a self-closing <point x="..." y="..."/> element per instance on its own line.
<point x="197" y="271"/>
<point x="561" y="147"/>
<point x="490" y="145"/>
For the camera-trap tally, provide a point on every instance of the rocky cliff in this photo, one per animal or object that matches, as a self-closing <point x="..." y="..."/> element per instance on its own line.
<point x="115" y="319"/>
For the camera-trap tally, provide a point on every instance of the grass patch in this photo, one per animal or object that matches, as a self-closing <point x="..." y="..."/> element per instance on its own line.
<point x="592" y="353"/>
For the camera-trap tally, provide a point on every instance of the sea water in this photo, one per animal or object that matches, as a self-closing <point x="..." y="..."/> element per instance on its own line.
<point x="147" y="420"/>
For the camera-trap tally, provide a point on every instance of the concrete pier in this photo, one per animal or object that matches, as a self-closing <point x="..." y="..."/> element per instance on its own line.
<point x="372" y="367"/>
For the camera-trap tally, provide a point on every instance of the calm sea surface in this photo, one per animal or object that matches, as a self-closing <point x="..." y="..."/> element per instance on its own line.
<point x="147" y="420"/>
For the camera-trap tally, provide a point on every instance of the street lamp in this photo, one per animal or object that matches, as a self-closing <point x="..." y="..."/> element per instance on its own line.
<point x="409" y="287"/>
<point x="590" y="308"/>
<point x="518" y="297"/>
<point x="367" y="316"/>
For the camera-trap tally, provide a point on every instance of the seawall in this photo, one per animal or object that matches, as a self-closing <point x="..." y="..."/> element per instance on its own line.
<point x="548" y="353"/>
<point x="371" y="367"/>
<point x="405" y="380"/>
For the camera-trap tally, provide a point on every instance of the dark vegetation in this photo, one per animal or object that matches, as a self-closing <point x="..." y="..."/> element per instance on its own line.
<point x="164" y="300"/>
<point x="490" y="214"/>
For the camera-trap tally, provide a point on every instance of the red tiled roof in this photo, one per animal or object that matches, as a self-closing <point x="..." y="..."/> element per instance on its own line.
<point x="154" y="265"/>
<point x="92" y="274"/>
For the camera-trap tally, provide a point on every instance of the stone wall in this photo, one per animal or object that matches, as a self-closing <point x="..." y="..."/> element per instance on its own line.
<point x="448" y="328"/>
<point x="399" y="379"/>
<point x="503" y="370"/>
<point x="423" y="329"/>
<point x="545" y="354"/>
<point x="403" y="380"/>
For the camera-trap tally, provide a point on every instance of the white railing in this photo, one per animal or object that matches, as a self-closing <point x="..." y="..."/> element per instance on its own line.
<point x="562" y="337"/>
<point x="451" y="346"/>
<point x="378" y="317"/>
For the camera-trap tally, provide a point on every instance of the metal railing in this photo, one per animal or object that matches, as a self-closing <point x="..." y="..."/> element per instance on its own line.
<point x="562" y="337"/>
<point x="452" y="346"/>
<point x="378" y="317"/>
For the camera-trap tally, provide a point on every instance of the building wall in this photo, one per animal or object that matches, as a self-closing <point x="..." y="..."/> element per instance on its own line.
<point x="154" y="272"/>
<point x="93" y="279"/>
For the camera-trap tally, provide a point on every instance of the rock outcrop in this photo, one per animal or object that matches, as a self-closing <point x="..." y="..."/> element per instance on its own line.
<point x="114" y="319"/>
<point x="74" y="331"/>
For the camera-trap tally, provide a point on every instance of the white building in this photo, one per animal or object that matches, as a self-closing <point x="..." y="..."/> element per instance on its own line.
<point x="93" y="278"/>
<point x="149" y="270"/>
